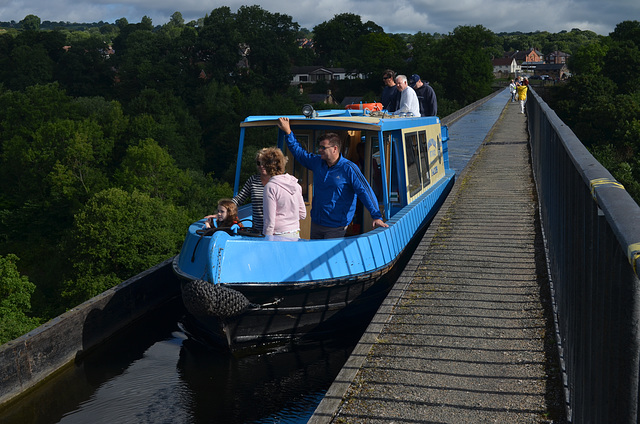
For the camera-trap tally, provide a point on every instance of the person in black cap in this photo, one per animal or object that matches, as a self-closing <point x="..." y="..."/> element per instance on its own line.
<point x="426" y="96"/>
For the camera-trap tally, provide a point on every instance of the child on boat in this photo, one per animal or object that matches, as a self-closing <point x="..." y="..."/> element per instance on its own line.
<point x="227" y="215"/>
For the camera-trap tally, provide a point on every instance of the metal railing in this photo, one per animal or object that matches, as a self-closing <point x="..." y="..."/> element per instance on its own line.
<point x="592" y="235"/>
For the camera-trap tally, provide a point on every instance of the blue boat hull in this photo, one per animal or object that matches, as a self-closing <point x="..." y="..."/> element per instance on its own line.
<point x="243" y="290"/>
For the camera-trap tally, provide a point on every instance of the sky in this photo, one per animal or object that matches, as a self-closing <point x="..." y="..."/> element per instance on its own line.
<point x="396" y="16"/>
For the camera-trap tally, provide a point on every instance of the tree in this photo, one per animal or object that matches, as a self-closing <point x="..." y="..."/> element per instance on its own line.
<point x="580" y="103"/>
<point x="627" y="31"/>
<point x="462" y="63"/>
<point x="15" y="300"/>
<point x="65" y="158"/>
<point x="30" y="65"/>
<point x="622" y="65"/>
<point x="219" y="108"/>
<point x="146" y="23"/>
<point x="176" y="19"/>
<point x="174" y="27"/>
<point x="23" y="112"/>
<point x="118" y="235"/>
<point x="109" y="116"/>
<point x="30" y="23"/>
<point x="378" y="51"/>
<point x="80" y="163"/>
<point x="269" y="44"/>
<point x="137" y="61"/>
<point x="84" y="69"/>
<point x="217" y="50"/>
<point x="173" y="126"/>
<point x="150" y="169"/>
<point x="588" y="59"/>
<point x="122" y="23"/>
<point x="336" y="40"/>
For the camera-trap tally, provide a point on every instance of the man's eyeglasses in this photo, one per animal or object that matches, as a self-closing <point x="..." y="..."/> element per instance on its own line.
<point x="323" y="148"/>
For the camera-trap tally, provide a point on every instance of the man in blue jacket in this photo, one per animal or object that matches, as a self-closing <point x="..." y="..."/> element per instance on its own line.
<point x="337" y="184"/>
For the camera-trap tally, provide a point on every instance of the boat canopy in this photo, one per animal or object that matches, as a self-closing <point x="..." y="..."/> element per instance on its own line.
<point x="379" y="123"/>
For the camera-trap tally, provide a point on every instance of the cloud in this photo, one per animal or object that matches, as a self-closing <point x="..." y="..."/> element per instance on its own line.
<point x="408" y="16"/>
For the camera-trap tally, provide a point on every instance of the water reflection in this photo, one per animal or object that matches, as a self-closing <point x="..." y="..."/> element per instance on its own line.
<point x="284" y="385"/>
<point x="153" y="373"/>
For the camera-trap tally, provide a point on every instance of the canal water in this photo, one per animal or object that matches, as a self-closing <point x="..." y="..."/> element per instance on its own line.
<point x="153" y="373"/>
<point x="467" y="133"/>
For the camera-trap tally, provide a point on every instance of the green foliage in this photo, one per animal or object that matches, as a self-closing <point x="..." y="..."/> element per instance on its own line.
<point x="201" y="196"/>
<point x="30" y="65"/>
<point x="627" y="31"/>
<point x="579" y="104"/>
<point x="165" y="118"/>
<point x="602" y="103"/>
<point x="119" y="234"/>
<point x="30" y="23"/>
<point x="23" y="112"/>
<point x="337" y="40"/>
<point x="270" y="38"/>
<point x="622" y="65"/>
<point x="150" y="169"/>
<point x="125" y="148"/>
<point x="83" y="69"/>
<point x="588" y="59"/>
<point x="461" y="62"/>
<point x="217" y="45"/>
<point x="625" y="172"/>
<point x="377" y="52"/>
<point x="61" y="160"/>
<point x="566" y="41"/>
<point x="15" y="300"/>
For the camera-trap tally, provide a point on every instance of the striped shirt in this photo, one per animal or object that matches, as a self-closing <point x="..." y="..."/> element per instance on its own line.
<point x="252" y="189"/>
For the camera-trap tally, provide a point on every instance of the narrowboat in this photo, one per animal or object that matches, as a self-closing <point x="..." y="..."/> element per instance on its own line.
<point x="244" y="289"/>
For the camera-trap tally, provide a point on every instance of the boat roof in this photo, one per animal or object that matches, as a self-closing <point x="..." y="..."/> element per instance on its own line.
<point x="348" y="119"/>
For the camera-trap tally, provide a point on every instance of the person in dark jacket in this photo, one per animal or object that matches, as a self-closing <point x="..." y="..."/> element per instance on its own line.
<point x="426" y="96"/>
<point x="390" y="94"/>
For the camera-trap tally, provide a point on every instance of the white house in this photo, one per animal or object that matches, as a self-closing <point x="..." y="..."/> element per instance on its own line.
<point x="505" y="67"/>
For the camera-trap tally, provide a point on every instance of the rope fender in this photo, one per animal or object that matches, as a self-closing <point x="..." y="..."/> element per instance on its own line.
<point x="202" y="298"/>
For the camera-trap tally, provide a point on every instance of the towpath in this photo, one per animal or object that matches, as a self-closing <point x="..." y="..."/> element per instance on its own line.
<point x="466" y="334"/>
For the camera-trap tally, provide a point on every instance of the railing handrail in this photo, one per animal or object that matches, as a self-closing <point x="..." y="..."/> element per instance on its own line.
<point x="621" y="211"/>
<point x="591" y="227"/>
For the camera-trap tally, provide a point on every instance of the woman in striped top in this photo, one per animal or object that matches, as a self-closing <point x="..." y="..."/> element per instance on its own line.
<point x="254" y="188"/>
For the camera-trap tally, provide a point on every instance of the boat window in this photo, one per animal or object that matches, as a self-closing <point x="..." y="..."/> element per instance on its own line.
<point x="424" y="159"/>
<point x="413" y="164"/>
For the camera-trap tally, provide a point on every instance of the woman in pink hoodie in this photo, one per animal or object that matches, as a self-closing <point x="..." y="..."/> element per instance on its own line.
<point x="282" y="202"/>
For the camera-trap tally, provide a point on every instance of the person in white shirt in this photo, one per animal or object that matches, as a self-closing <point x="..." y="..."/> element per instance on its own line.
<point x="408" y="99"/>
<point x="512" y="90"/>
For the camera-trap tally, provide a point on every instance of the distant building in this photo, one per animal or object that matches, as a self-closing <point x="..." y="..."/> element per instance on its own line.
<point x="526" y="56"/>
<point x="554" y="70"/>
<point x="311" y="74"/>
<point x="504" y="67"/>
<point x="557" y="57"/>
<point x="323" y="98"/>
<point x="527" y="60"/>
